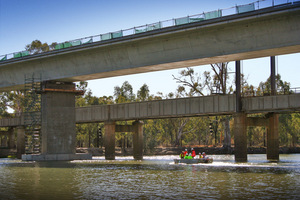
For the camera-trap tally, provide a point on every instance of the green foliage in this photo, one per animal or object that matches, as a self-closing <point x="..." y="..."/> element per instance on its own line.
<point x="37" y="46"/>
<point x="282" y="87"/>
<point x="289" y="129"/>
<point x="124" y="93"/>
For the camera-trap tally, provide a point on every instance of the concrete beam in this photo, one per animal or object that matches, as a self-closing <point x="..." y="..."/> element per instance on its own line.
<point x="257" y="121"/>
<point x="124" y="128"/>
<point x="278" y="103"/>
<point x="261" y="33"/>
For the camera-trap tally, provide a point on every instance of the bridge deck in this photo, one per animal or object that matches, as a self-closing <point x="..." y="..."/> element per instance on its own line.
<point x="173" y="108"/>
<point x="260" y="33"/>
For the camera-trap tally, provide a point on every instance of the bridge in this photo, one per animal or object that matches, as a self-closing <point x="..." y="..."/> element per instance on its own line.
<point x="176" y="108"/>
<point x="258" y="33"/>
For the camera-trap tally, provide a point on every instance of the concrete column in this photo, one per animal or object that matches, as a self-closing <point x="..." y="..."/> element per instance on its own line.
<point x="240" y="137"/>
<point x="238" y="86"/>
<point x="138" y="140"/>
<point x="58" y="118"/>
<point x="4" y="141"/>
<point x="58" y="123"/>
<point x="20" y="141"/>
<point x="273" y="75"/>
<point x="11" y="137"/>
<point x="273" y="138"/>
<point x="109" y="140"/>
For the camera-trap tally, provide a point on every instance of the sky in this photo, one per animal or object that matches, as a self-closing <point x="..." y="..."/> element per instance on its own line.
<point x="22" y="21"/>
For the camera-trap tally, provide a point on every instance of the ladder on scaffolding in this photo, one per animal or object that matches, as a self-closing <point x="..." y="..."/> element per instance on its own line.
<point x="32" y="114"/>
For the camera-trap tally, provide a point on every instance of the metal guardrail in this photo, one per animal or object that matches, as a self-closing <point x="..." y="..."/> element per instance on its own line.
<point x="260" y="4"/>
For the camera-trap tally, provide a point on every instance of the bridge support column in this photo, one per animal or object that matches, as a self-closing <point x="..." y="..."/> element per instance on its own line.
<point x="138" y="140"/>
<point x="58" y="123"/>
<point x="273" y="60"/>
<point x="20" y="141"/>
<point x="109" y="140"/>
<point x="273" y="138"/>
<point x="240" y="137"/>
<point x="11" y="138"/>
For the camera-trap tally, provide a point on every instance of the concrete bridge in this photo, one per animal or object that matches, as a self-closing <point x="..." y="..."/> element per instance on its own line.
<point x="170" y="108"/>
<point x="175" y="108"/>
<point x="260" y="33"/>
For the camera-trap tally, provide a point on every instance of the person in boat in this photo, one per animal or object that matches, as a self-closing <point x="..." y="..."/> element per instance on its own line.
<point x="186" y="156"/>
<point x="200" y="156"/>
<point x="203" y="154"/>
<point x="190" y="156"/>
<point x="185" y="152"/>
<point x="182" y="155"/>
<point x="193" y="153"/>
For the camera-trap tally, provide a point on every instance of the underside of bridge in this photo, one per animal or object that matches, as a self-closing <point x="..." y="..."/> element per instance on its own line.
<point x="59" y="134"/>
<point x="269" y="32"/>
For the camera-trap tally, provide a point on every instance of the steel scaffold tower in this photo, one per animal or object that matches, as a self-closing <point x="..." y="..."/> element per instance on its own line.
<point x="32" y="114"/>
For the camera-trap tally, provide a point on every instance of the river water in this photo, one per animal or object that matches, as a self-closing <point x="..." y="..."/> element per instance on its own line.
<point x="156" y="177"/>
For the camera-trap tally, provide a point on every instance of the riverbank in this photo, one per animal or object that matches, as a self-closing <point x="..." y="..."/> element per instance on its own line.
<point x="177" y="150"/>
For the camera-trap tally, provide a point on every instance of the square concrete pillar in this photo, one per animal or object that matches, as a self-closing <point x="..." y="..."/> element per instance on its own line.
<point x="58" y="118"/>
<point x="11" y="138"/>
<point x="240" y="137"/>
<point x="4" y="141"/>
<point x="20" y="141"/>
<point x="138" y="140"/>
<point x="109" y="140"/>
<point x="273" y="138"/>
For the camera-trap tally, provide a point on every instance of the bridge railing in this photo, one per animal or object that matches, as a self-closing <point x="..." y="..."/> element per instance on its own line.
<point x="260" y="4"/>
<point x="267" y="92"/>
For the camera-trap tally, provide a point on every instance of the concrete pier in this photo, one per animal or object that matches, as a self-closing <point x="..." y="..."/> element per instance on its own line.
<point x="273" y="138"/>
<point x="20" y="141"/>
<point x="138" y="140"/>
<point x="109" y="140"/>
<point x="58" y="123"/>
<point x="11" y="138"/>
<point x="240" y="137"/>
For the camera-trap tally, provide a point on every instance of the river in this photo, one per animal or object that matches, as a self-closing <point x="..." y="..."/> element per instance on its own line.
<point x="156" y="177"/>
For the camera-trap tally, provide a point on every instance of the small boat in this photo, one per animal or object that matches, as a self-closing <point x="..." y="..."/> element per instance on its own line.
<point x="194" y="161"/>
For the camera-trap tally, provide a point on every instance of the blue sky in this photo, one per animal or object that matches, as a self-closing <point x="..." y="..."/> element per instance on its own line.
<point x="22" y="21"/>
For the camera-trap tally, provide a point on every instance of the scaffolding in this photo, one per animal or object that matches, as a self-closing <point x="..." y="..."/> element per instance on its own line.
<point x="32" y="114"/>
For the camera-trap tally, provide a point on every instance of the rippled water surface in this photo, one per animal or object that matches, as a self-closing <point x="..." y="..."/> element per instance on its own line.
<point x="153" y="178"/>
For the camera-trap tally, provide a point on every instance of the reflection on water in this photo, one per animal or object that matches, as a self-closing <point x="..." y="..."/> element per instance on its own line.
<point x="156" y="177"/>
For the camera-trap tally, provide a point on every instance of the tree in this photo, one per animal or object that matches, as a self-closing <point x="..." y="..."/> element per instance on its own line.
<point x="37" y="46"/>
<point x="143" y="93"/>
<point x="188" y="78"/>
<point x="124" y="93"/>
<point x="216" y="82"/>
<point x="282" y="87"/>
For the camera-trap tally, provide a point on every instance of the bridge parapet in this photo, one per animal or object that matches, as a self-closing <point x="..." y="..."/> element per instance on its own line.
<point x="12" y="122"/>
<point x="278" y="103"/>
<point x="183" y="107"/>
